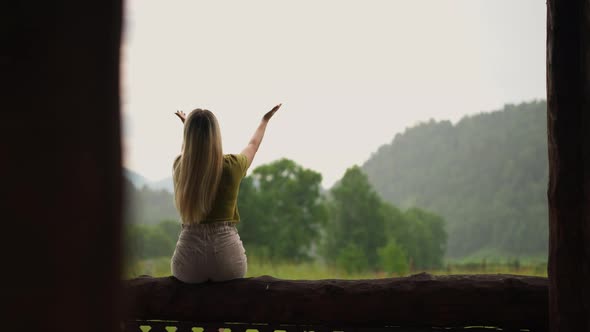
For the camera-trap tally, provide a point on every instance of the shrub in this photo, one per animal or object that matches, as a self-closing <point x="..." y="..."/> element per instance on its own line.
<point x="393" y="258"/>
<point x="352" y="259"/>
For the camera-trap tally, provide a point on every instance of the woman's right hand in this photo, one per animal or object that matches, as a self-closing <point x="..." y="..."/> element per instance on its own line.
<point x="181" y="115"/>
<point x="270" y="113"/>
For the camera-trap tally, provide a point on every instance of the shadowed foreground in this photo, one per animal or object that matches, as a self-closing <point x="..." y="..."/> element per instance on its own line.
<point x="421" y="300"/>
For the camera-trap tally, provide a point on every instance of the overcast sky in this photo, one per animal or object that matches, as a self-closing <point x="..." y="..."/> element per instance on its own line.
<point x="350" y="74"/>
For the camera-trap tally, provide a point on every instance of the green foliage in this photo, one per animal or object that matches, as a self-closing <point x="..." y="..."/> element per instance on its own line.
<point x="352" y="259"/>
<point x="355" y="218"/>
<point x="362" y="224"/>
<point x="393" y="258"/>
<point x="151" y="241"/>
<point x="169" y="228"/>
<point x="157" y="244"/>
<point x="133" y="242"/>
<point x="423" y="236"/>
<point x="281" y="210"/>
<point x="486" y="176"/>
<point x="148" y="207"/>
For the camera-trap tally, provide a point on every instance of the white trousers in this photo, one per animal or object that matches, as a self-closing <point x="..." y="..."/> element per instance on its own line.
<point x="209" y="252"/>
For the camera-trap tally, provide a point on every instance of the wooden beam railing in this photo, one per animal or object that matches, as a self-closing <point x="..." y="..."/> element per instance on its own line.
<point x="419" y="302"/>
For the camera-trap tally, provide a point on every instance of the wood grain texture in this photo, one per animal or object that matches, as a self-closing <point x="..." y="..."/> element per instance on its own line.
<point x="419" y="300"/>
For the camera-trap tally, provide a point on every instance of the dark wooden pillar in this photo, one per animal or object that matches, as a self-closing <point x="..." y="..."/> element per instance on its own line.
<point x="60" y="163"/>
<point x="568" y="96"/>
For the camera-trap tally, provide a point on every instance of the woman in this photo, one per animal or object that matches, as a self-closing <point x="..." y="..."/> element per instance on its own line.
<point x="206" y="185"/>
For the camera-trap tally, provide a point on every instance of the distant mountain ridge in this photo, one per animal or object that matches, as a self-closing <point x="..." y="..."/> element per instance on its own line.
<point x="144" y="205"/>
<point x="139" y="181"/>
<point x="135" y="178"/>
<point x="486" y="175"/>
<point x="148" y="202"/>
<point x="164" y="184"/>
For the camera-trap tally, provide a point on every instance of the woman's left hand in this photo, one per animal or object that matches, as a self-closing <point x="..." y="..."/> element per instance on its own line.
<point x="181" y="115"/>
<point x="270" y="113"/>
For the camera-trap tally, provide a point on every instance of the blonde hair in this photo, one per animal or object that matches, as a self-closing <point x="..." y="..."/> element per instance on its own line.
<point x="197" y="170"/>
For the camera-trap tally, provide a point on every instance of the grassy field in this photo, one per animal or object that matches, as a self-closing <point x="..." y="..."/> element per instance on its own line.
<point x="313" y="271"/>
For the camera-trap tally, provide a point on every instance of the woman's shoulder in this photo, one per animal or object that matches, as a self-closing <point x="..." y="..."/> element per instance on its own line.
<point x="238" y="160"/>
<point x="234" y="157"/>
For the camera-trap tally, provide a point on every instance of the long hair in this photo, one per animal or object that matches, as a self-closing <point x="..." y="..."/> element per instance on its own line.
<point x="197" y="170"/>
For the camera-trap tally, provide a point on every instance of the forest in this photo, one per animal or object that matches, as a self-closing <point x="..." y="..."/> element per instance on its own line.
<point x="486" y="176"/>
<point x="439" y="193"/>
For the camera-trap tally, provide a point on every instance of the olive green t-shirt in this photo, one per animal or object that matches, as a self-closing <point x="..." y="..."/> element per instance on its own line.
<point x="225" y="205"/>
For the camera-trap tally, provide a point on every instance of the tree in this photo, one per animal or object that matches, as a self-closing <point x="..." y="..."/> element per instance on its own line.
<point x="281" y="210"/>
<point x="157" y="244"/>
<point x="352" y="259"/>
<point x="151" y="241"/>
<point x="356" y="218"/>
<point x="393" y="258"/>
<point x="424" y="238"/>
<point x="169" y="228"/>
<point x="420" y="234"/>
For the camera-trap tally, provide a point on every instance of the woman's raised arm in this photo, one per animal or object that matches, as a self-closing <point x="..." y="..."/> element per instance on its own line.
<point x="254" y="143"/>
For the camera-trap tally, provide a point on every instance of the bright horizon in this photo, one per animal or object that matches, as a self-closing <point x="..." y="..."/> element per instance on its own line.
<point x="350" y="74"/>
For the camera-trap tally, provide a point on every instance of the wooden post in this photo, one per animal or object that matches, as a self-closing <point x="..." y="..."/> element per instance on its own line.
<point x="568" y="117"/>
<point x="60" y="161"/>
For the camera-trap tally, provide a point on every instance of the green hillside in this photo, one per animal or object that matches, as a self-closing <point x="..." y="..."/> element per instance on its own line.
<point x="148" y="206"/>
<point x="486" y="175"/>
<point x="135" y="178"/>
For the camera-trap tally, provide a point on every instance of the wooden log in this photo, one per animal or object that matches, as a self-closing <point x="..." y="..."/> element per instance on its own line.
<point x="419" y="300"/>
<point x="568" y="100"/>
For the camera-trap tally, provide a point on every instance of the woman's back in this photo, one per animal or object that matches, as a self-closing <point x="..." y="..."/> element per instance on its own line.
<point x="206" y="186"/>
<point x="214" y="241"/>
<point x="225" y="207"/>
